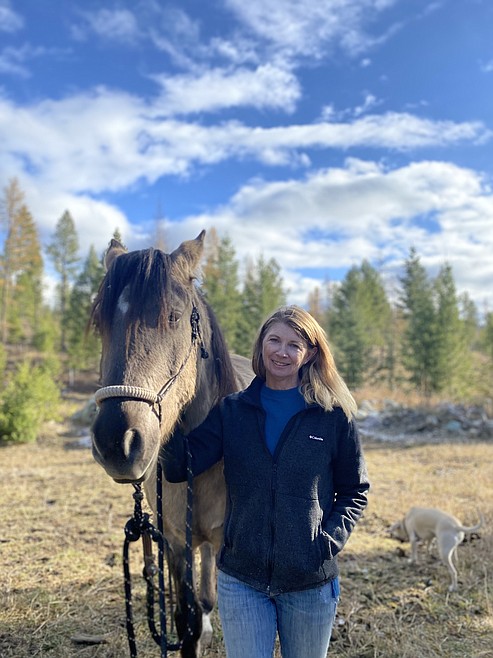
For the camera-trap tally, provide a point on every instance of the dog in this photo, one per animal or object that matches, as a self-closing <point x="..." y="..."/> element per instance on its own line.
<point x="427" y="524"/>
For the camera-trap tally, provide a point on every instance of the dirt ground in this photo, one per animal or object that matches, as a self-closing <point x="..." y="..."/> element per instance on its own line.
<point x="61" y="537"/>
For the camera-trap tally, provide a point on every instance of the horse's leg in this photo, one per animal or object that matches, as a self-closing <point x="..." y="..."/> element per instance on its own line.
<point x="207" y="589"/>
<point x="209" y="504"/>
<point x="188" y="613"/>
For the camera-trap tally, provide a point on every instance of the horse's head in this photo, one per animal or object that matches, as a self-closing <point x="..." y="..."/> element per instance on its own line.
<point x="148" y="313"/>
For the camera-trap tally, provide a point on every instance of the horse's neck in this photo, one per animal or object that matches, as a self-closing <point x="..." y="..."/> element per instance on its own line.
<point x="207" y="389"/>
<point x="204" y="399"/>
<point x="243" y="370"/>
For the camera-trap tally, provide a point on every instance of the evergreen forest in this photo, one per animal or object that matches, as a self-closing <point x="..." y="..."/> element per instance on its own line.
<point x="420" y="336"/>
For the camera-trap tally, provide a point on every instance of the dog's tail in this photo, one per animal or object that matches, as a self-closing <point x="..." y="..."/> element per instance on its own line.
<point x="473" y="528"/>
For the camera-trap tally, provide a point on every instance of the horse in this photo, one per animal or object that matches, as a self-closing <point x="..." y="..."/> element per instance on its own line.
<point x="164" y="364"/>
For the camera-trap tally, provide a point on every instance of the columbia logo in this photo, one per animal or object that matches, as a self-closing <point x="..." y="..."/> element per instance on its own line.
<point x="316" y="438"/>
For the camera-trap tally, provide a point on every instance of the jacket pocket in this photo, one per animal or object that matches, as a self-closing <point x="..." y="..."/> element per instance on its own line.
<point x="300" y="547"/>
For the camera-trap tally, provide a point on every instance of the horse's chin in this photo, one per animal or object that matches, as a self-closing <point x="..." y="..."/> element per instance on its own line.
<point x="120" y="478"/>
<point x="125" y="481"/>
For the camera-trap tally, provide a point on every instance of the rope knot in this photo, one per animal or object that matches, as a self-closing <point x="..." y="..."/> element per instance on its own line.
<point x="132" y="529"/>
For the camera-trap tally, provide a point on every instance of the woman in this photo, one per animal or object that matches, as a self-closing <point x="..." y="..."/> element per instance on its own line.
<point x="296" y="485"/>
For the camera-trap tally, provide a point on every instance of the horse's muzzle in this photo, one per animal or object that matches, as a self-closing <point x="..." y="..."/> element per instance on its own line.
<point x="126" y="448"/>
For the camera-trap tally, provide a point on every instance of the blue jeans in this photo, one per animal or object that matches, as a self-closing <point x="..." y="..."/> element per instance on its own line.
<point x="251" y="619"/>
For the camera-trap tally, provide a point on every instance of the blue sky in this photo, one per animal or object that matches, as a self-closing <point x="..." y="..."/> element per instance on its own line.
<point x="316" y="132"/>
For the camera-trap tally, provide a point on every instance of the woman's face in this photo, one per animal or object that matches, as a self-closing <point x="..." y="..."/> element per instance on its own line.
<point x="283" y="353"/>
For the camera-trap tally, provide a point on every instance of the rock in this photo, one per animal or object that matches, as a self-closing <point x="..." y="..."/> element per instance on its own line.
<point x="86" y="638"/>
<point x="408" y="424"/>
<point x="453" y="427"/>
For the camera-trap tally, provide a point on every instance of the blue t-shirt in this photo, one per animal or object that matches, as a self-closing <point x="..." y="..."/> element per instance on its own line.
<point x="279" y="406"/>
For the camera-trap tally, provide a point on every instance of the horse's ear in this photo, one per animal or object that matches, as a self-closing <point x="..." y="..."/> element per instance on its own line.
<point x="114" y="250"/>
<point x="186" y="257"/>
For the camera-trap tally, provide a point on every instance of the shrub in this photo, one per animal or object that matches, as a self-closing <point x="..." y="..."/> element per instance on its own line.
<point x="31" y="397"/>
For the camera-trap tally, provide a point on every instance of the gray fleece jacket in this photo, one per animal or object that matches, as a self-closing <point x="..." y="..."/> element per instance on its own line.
<point x="288" y="515"/>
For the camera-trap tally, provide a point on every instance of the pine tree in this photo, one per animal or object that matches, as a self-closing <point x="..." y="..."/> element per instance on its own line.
<point x="419" y="339"/>
<point x="470" y="317"/>
<point x="221" y="286"/>
<point x="12" y="202"/>
<point x="360" y="326"/>
<point x="117" y="235"/>
<point x="315" y="305"/>
<point x="83" y="347"/>
<point x="454" y="358"/>
<point x="262" y="293"/>
<point x="346" y="329"/>
<point x="63" y="250"/>
<point x="21" y="269"/>
<point x="488" y="336"/>
<point x="27" y="282"/>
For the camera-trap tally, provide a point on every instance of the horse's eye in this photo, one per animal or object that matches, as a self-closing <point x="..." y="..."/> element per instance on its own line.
<point x="174" y="317"/>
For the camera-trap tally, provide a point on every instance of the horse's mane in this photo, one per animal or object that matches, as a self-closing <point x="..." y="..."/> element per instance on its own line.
<point x="223" y="366"/>
<point x="146" y="275"/>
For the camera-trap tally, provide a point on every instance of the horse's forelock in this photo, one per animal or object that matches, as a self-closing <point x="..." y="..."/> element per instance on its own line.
<point x="144" y="276"/>
<point x="150" y="280"/>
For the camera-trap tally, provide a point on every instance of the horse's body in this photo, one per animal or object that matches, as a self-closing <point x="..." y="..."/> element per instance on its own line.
<point x="155" y="328"/>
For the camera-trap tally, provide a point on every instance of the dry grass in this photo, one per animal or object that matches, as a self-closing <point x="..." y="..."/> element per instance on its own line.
<point x="391" y="608"/>
<point x="61" y="534"/>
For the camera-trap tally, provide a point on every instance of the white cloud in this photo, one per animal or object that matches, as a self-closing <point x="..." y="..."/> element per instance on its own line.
<point x="10" y="21"/>
<point x="212" y="90"/>
<point x="487" y="67"/>
<point x="14" y="61"/>
<point x="329" y="113"/>
<point x="104" y="140"/>
<point x="337" y="217"/>
<point x="303" y="27"/>
<point x="369" y="102"/>
<point x="94" y="220"/>
<point x="109" y="24"/>
<point x="328" y="221"/>
<point x="285" y="29"/>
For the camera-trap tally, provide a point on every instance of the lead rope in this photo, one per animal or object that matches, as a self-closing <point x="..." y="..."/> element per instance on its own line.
<point x="139" y="525"/>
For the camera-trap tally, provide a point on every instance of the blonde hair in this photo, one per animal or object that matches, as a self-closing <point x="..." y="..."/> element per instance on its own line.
<point x="320" y="381"/>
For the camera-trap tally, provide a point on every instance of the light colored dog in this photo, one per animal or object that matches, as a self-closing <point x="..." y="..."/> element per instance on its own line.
<point x="424" y="524"/>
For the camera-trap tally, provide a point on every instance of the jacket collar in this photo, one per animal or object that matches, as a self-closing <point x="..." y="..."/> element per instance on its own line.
<point x="251" y="394"/>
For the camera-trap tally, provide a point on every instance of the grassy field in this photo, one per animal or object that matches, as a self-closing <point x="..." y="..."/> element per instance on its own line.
<point x="61" y="536"/>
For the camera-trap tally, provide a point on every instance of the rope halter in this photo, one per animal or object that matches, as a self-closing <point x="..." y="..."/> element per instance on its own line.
<point x="146" y="395"/>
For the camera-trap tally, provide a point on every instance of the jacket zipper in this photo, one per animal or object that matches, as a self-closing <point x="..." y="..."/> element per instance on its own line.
<point x="282" y="440"/>
<point x="270" y="561"/>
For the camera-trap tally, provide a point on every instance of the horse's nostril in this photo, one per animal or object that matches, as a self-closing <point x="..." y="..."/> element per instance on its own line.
<point x="132" y="442"/>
